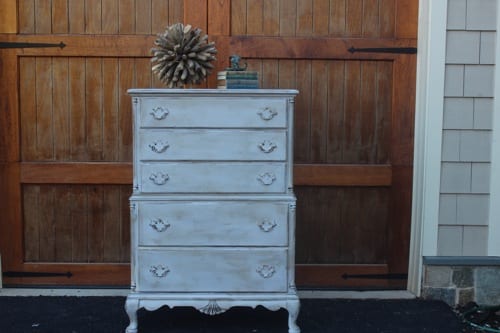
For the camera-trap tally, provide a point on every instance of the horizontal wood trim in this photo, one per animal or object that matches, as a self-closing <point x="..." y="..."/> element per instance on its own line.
<point x="331" y="276"/>
<point x="76" y="173"/>
<point x="312" y="48"/>
<point x="121" y="173"/>
<point x="247" y="46"/>
<point x="342" y="175"/>
<point x="83" y="274"/>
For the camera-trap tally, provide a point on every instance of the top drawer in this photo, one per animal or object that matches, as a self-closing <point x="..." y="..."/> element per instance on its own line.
<point x="220" y="112"/>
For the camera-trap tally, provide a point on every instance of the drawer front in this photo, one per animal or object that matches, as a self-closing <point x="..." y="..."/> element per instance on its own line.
<point x="212" y="270"/>
<point x="213" y="223"/>
<point x="212" y="177"/>
<point x="212" y="112"/>
<point x="236" y="145"/>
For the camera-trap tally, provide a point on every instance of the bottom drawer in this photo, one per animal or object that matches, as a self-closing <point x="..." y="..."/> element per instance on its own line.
<point x="212" y="270"/>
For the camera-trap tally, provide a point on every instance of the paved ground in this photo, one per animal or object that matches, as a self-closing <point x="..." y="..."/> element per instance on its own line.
<point x="105" y="314"/>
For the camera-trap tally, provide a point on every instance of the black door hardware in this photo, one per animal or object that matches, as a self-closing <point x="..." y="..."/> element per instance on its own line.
<point x="23" y="45"/>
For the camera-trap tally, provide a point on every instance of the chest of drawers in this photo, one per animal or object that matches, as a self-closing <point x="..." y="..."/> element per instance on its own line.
<point x="213" y="208"/>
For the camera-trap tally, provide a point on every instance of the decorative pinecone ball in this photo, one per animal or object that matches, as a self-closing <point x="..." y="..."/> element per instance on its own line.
<point x="182" y="55"/>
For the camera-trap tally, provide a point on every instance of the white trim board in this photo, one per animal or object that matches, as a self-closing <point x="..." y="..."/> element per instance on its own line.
<point x="494" y="211"/>
<point x="428" y="136"/>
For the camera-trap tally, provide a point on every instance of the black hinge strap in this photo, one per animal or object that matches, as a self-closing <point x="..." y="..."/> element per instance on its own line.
<point x="393" y="276"/>
<point x="12" y="274"/>
<point x="399" y="50"/>
<point x="23" y="45"/>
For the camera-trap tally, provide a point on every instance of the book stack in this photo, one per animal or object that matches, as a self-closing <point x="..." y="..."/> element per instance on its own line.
<point x="237" y="80"/>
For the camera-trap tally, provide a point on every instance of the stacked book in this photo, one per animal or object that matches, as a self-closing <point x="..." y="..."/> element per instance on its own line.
<point x="237" y="80"/>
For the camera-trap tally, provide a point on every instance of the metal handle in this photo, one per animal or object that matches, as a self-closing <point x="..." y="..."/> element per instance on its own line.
<point x="267" y="113"/>
<point x="267" y="178"/>
<point x="266" y="271"/>
<point x="159" y="113"/>
<point x="159" y="178"/>
<point x="159" y="146"/>
<point x="159" y="271"/>
<point x="159" y="225"/>
<point x="267" y="146"/>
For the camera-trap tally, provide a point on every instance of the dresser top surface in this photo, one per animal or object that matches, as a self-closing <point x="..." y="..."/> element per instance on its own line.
<point x="212" y="92"/>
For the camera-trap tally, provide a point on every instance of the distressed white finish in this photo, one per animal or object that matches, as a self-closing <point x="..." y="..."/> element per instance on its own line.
<point x="213" y="208"/>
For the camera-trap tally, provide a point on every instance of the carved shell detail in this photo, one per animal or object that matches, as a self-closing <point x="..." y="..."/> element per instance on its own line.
<point x="212" y="308"/>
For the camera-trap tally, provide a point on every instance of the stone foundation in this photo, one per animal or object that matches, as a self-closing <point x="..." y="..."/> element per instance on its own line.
<point x="459" y="280"/>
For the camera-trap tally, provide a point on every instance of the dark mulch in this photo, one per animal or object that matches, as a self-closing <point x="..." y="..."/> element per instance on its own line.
<point x="106" y="314"/>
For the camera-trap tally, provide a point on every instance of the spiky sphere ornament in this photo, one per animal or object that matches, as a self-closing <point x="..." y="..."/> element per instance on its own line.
<point x="182" y="55"/>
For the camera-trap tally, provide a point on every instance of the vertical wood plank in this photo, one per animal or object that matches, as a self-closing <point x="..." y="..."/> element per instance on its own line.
<point x="371" y="18"/>
<point x="238" y="17"/>
<point x="93" y="16"/>
<point x="159" y="16"/>
<point x="95" y="224"/>
<point x="354" y="18"/>
<point x="270" y="74"/>
<point x="336" y="114"/>
<point x="384" y="111"/>
<point x="43" y="17"/>
<point x="304" y="18"/>
<point x="271" y="20"/>
<point x="219" y="15"/>
<point x="110" y="16"/>
<point x="338" y="21"/>
<point x="60" y="109"/>
<point x="288" y="17"/>
<point x="31" y="226"/>
<point x="368" y="148"/>
<point x="26" y="16"/>
<point x="27" y="107"/>
<point x="44" y="105"/>
<point x="125" y="192"/>
<point x="406" y="18"/>
<point x="302" y="125"/>
<point x="319" y="112"/>
<point x="8" y="16"/>
<point x="46" y="220"/>
<point x="126" y="9"/>
<point x="352" y="110"/>
<point x="143" y="17"/>
<point x="195" y="13"/>
<point x="176" y="11"/>
<point x="321" y="16"/>
<point x="93" y="103"/>
<point x="77" y="106"/>
<point x="60" y="24"/>
<point x="76" y="13"/>
<point x="143" y="72"/>
<point x="126" y="80"/>
<point x="387" y="18"/>
<point x="110" y="109"/>
<point x="111" y="224"/>
<point x="255" y="12"/>
<point x="63" y="224"/>
<point x="79" y="218"/>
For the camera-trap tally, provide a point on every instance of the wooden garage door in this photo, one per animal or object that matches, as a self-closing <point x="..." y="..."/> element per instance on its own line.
<point x="66" y="128"/>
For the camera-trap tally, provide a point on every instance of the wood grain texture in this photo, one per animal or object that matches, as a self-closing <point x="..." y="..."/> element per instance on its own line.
<point x="342" y="175"/>
<point x="8" y="16"/>
<point x="314" y="276"/>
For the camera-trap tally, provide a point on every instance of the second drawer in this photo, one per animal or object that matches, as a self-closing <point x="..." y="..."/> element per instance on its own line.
<point x="213" y="223"/>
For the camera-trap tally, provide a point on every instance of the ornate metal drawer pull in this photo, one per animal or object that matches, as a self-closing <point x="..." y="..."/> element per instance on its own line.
<point x="159" y="146"/>
<point x="267" y="113"/>
<point x="159" y="271"/>
<point x="266" y="271"/>
<point x="267" y="225"/>
<point x="159" y="113"/>
<point x="159" y="178"/>
<point x="267" y="146"/>
<point x="159" y="225"/>
<point x="267" y="178"/>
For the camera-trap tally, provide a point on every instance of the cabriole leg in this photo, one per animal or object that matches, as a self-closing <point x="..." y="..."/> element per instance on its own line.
<point x="293" y="308"/>
<point x="131" y="307"/>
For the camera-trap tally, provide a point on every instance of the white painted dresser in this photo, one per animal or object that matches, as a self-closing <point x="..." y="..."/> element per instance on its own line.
<point x="213" y="208"/>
